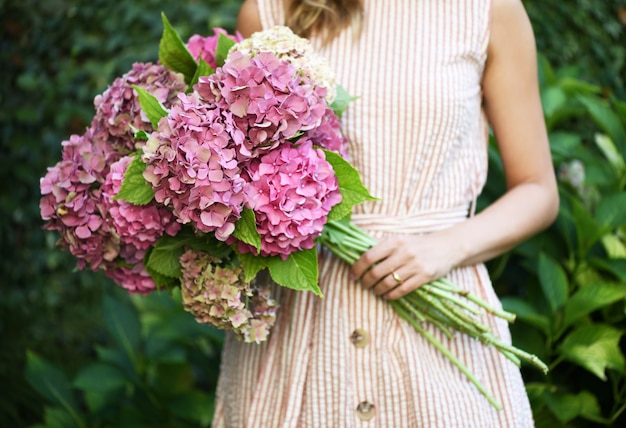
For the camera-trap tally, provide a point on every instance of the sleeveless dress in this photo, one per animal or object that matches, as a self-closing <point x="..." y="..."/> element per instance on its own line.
<point x="418" y="136"/>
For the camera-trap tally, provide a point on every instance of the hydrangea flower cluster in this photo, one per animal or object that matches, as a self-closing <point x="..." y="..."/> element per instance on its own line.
<point x="191" y="164"/>
<point x="118" y="108"/>
<point x="72" y="202"/>
<point x="219" y="296"/>
<point x="283" y="43"/>
<point x="202" y="47"/>
<point x="267" y="102"/>
<point x="291" y="190"/>
<point x="137" y="225"/>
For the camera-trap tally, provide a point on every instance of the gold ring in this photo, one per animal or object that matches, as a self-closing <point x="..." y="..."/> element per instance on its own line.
<point x="395" y="276"/>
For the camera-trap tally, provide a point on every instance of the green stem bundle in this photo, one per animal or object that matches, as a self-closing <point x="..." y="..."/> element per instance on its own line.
<point x="440" y="303"/>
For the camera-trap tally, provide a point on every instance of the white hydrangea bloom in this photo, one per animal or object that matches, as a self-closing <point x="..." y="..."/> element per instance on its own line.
<point x="286" y="45"/>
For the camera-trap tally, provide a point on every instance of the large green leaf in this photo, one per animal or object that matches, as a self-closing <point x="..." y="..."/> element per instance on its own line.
<point x="53" y="385"/>
<point x="174" y="54"/>
<point x="552" y="99"/>
<point x="246" y="231"/>
<point x="224" y="43"/>
<point x="203" y="69"/>
<point x="569" y="406"/>
<point x="594" y="347"/>
<point x="606" y="119"/>
<point x="135" y="189"/>
<point x="610" y="152"/>
<point x="526" y="312"/>
<point x="591" y="298"/>
<point x="252" y="265"/>
<point x="194" y="405"/>
<point x="100" y="377"/>
<point x="122" y="321"/>
<point x="172" y="378"/>
<point x="55" y="417"/>
<point x="151" y="106"/>
<point x="611" y="211"/>
<point x="342" y="100"/>
<point x="553" y="282"/>
<point x="353" y="192"/>
<point x="298" y="272"/>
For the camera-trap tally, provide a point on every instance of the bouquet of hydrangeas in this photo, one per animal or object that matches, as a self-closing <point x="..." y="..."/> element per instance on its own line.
<point x="218" y="167"/>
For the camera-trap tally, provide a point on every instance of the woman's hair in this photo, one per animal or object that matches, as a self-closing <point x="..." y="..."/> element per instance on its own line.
<point x="324" y="18"/>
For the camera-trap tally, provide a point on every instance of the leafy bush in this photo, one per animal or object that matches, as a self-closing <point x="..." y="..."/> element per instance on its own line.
<point x="587" y="34"/>
<point x="568" y="285"/>
<point x="158" y="368"/>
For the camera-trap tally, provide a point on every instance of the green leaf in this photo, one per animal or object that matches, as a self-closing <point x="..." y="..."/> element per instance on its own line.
<point x="614" y="246"/>
<point x="195" y="406"/>
<point x="563" y="144"/>
<point x="606" y="119"/>
<point x="224" y="43"/>
<point x="569" y="406"/>
<point x="610" y="152"/>
<point x="594" y="347"/>
<point x="342" y="100"/>
<point x="526" y="312"/>
<point x="151" y="106"/>
<point x="52" y="384"/>
<point x="246" y="231"/>
<point x="122" y="321"/>
<point x="59" y="418"/>
<point x="174" y="54"/>
<point x="611" y="211"/>
<point x="552" y="99"/>
<point x="100" y="377"/>
<point x="164" y="258"/>
<point x="616" y="267"/>
<point x="203" y="69"/>
<point x="173" y="378"/>
<point x="591" y="298"/>
<point x="353" y="191"/>
<point x="553" y="282"/>
<point x="135" y="189"/>
<point x="252" y="265"/>
<point x="298" y="272"/>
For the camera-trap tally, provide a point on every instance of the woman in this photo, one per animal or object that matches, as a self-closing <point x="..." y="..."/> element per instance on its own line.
<point x="431" y="75"/>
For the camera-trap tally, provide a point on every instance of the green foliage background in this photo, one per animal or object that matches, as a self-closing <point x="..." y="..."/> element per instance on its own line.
<point x="58" y="54"/>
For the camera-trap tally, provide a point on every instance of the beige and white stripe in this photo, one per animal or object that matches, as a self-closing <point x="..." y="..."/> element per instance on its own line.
<point x="419" y="138"/>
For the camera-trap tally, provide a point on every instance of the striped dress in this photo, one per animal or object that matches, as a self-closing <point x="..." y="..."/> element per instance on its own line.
<point x="418" y="136"/>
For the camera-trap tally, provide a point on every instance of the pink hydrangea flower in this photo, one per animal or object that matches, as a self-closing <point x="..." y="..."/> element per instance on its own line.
<point x="218" y="295"/>
<point x="291" y="190"/>
<point x="138" y="225"/>
<point x="72" y="202"/>
<point x="205" y="47"/>
<point x="133" y="278"/>
<point x="118" y="108"/>
<point x="328" y="134"/>
<point x="192" y="166"/>
<point x="266" y="102"/>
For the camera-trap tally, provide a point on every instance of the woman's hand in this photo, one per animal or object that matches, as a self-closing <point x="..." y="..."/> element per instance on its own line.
<point x="401" y="263"/>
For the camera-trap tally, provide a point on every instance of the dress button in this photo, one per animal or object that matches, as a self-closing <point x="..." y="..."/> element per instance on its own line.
<point x="365" y="410"/>
<point x="360" y="338"/>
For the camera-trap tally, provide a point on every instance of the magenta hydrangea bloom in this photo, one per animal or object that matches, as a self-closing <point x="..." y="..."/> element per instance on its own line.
<point x="264" y="99"/>
<point x="291" y="190"/>
<point x="72" y="202"/>
<point x="205" y="47"/>
<point x="133" y="278"/>
<point x="192" y="166"/>
<point x="328" y="134"/>
<point x="138" y="225"/>
<point x="218" y="295"/>
<point x="118" y="108"/>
